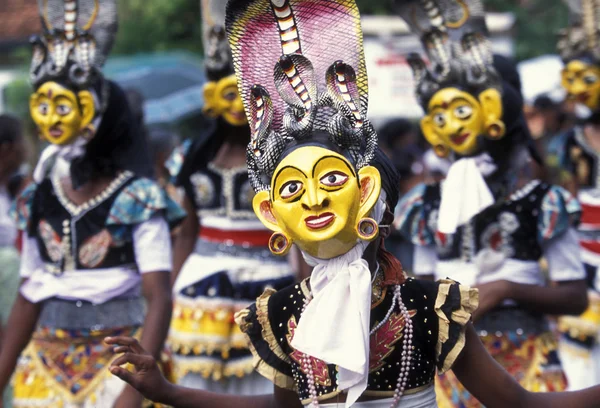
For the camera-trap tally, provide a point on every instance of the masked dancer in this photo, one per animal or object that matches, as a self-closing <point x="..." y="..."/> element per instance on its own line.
<point x="358" y="332"/>
<point x="222" y="252"/>
<point x="488" y="224"/>
<point x="580" y="162"/>
<point x="96" y="234"/>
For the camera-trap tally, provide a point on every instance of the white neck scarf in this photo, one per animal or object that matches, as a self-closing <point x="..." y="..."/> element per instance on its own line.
<point x="49" y="157"/>
<point x="335" y="325"/>
<point x="465" y="192"/>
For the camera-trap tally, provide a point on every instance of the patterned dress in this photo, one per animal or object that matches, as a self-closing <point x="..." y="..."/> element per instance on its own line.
<point x="229" y="268"/>
<point x="504" y="242"/>
<point x="581" y="335"/>
<point x="439" y="312"/>
<point x="66" y="362"/>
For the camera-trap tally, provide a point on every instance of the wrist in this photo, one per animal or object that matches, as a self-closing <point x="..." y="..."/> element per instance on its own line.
<point x="168" y="394"/>
<point x="131" y="392"/>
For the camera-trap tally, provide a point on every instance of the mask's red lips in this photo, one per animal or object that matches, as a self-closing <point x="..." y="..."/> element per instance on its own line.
<point x="55" y="132"/>
<point x="583" y="97"/>
<point x="319" y="221"/>
<point x="460" y="139"/>
<point x="238" y="115"/>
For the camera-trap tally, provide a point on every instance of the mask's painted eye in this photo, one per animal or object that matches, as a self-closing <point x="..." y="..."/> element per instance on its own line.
<point x="590" y="79"/>
<point x="334" y="179"/>
<point x="290" y="189"/>
<point x="230" y="95"/>
<point x="63" y="110"/>
<point x="463" y="112"/>
<point x="439" y="119"/>
<point x="43" y="108"/>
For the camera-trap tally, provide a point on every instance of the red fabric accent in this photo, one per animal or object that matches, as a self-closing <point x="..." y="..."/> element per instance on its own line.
<point x="392" y="268"/>
<point x="251" y="238"/>
<point x="592" y="246"/>
<point x="19" y="241"/>
<point x="590" y="214"/>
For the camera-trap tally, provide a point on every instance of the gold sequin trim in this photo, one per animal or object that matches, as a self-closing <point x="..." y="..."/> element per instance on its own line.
<point x="262" y="307"/>
<point x="469" y="300"/>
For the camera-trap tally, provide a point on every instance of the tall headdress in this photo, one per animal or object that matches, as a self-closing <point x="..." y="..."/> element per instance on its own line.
<point x="217" y="55"/>
<point x="453" y="34"/>
<point x="581" y="40"/>
<point x="77" y="37"/>
<point x="301" y="70"/>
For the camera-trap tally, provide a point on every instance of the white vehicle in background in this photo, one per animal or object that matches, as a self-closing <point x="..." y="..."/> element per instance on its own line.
<point x="6" y="78"/>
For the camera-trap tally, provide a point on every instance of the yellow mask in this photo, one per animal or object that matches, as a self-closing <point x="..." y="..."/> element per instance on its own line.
<point x="455" y="119"/>
<point x="60" y="114"/>
<point x="318" y="202"/>
<point x="582" y="83"/>
<point x="223" y="99"/>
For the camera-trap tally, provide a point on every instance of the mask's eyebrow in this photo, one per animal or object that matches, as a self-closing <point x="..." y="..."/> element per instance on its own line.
<point x="445" y="104"/>
<point x="332" y="157"/>
<point x="277" y="175"/>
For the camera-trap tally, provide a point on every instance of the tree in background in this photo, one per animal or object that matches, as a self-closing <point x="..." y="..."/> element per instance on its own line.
<point x="158" y="25"/>
<point x="537" y="26"/>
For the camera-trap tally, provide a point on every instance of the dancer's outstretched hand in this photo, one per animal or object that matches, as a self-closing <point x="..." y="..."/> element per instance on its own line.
<point x="146" y="377"/>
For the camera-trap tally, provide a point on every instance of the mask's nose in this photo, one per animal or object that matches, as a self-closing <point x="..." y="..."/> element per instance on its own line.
<point x="315" y="199"/>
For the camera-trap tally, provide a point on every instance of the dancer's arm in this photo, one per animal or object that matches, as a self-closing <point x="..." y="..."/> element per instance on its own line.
<point x="568" y="297"/>
<point x="157" y="292"/>
<point x="149" y="381"/>
<point x="23" y="318"/>
<point x="483" y="377"/>
<point x="151" y="241"/>
<point x="185" y="240"/>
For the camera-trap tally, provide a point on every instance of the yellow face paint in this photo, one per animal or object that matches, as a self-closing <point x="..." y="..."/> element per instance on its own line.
<point x="455" y="119"/>
<point x="582" y="83"/>
<point x="223" y="99"/>
<point x="60" y="114"/>
<point x="317" y="200"/>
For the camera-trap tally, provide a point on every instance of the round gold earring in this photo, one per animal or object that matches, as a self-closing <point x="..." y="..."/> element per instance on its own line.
<point x="441" y="150"/>
<point x="367" y="229"/>
<point x="279" y="244"/>
<point x="496" y="130"/>
<point x="88" y="132"/>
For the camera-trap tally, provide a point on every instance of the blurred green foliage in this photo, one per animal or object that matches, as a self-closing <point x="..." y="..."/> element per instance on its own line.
<point x="17" y="103"/>
<point x="158" y="25"/>
<point x="374" y="6"/>
<point x="17" y="97"/>
<point x="537" y="26"/>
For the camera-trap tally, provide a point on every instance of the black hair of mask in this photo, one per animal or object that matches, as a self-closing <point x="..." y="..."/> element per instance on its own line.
<point x="318" y="138"/>
<point x="96" y="82"/>
<point x="585" y="57"/>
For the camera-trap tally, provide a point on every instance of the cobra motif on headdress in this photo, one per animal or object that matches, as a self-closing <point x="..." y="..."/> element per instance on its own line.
<point x="77" y="37"/>
<point x="453" y="33"/>
<point x="301" y="69"/>
<point x="582" y="38"/>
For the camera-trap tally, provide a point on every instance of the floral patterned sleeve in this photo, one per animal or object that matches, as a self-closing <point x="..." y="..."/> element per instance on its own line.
<point x="137" y="203"/>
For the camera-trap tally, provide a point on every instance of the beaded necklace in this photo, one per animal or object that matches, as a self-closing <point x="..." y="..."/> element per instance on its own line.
<point x="406" y="358"/>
